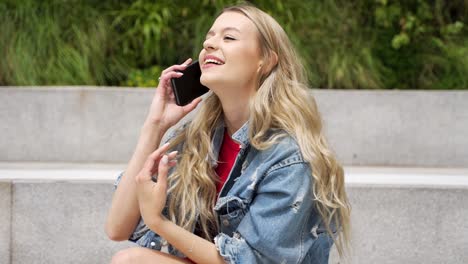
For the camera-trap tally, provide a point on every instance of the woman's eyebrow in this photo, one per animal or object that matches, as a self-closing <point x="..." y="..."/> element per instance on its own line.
<point x="211" y="32"/>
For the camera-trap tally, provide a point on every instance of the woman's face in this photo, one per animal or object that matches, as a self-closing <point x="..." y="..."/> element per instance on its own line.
<point x="231" y="56"/>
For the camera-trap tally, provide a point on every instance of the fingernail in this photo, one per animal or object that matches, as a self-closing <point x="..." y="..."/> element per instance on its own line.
<point x="180" y="73"/>
<point x="165" y="159"/>
<point x="174" y="152"/>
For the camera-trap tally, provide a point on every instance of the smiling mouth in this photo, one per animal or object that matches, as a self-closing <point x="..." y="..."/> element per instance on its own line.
<point x="213" y="61"/>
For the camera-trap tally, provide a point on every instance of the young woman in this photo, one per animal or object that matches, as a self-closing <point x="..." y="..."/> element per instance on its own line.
<point x="250" y="179"/>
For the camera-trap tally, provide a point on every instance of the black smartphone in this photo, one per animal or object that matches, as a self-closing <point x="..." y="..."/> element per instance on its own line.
<point x="188" y="87"/>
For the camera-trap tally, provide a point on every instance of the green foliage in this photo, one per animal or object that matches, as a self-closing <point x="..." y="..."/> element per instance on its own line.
<point x="56" y="43"/>
<point x="353" y="44"/>
<point x="164" y="32"/>
<point x="334" y="45"/>
<point x="428" y="41"/>
<point x="144" y="78"/>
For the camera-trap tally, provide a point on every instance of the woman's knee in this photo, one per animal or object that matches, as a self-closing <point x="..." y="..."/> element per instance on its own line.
<point x="126" y="256"/>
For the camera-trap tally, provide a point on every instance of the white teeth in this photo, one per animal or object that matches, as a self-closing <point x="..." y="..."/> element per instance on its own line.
<point x="213" y="61"/>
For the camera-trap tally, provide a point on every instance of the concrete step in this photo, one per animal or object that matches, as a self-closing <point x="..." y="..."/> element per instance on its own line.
<point x="55" y="213"/>
<point x="364" y="127"/>
<point x="355" y="175"/>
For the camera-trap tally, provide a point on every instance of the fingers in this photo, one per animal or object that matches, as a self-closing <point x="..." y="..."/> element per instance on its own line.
<point x="172" y="155"/>
<point x="172" y="161"/>
<point x="174" y="69"/>
<point x="145" y="171"/>
<point x="192" y="105"/>
<point x="168" y="73"/>
<point x="164" y="165"/>
<point x="158" y="152"/>
<point x="187" y="61"/>
<point x="177" y="67"/>
<point x="164" y="82"/>
<point x="154" y="159"/>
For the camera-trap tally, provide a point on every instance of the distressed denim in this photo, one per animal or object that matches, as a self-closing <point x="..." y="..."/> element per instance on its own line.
<point x="269" y="215"/>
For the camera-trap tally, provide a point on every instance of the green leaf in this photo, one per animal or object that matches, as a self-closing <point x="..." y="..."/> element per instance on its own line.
<point x="400" y="40"/>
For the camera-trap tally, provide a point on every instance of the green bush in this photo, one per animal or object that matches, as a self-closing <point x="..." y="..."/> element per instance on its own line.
<point x="365" y="44"/>
<point x="143" y="78"/>
<point x="57" y="43"/>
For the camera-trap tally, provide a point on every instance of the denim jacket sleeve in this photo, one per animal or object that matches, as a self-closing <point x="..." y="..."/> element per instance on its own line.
<point x="277" y="227"/>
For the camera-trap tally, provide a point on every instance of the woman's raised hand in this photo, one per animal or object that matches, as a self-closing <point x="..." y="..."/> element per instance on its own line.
<point x="151" y="184"/>
<point x="164" y="111"/>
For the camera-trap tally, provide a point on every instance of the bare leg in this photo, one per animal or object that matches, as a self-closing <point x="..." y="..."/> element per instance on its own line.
<point x="142" y="255"/>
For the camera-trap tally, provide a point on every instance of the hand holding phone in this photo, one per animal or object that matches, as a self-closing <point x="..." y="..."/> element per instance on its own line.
<point x="188" y="86"/>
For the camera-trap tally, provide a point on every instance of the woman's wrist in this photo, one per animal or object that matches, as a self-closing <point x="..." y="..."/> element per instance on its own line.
<point x="151" y="125"/>
<point x="150" y="135"/>
<point x="157" y="224"/>
<point x="151" y="128"/>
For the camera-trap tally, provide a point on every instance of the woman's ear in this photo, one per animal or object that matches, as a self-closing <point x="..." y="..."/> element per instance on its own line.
<point x="260" y="66"/>
<point x="272" y="62"/>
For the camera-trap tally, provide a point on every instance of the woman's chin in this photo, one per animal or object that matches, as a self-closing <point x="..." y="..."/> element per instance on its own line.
<point x="209" y="81"/>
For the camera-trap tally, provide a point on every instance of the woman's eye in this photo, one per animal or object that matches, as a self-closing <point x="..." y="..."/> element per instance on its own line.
<point x="229" y="38"/>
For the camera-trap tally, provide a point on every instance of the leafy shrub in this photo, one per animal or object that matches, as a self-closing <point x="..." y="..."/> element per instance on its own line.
<point x="163" y="32"/>
<point x="354" y="44"/>
<point x="56" y="42"/>
<point x="144" y="78"/>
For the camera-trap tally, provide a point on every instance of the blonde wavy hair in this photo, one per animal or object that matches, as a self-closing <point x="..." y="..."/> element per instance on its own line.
<point x="282" y="102"/>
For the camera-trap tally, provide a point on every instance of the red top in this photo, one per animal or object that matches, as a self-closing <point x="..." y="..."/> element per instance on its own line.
<point x="226" y="158"/>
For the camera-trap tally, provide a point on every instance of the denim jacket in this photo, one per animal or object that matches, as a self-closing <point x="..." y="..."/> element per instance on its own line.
<point x="268" y="215"/>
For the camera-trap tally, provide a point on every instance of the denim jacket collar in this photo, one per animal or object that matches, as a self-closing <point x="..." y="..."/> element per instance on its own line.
<point x="241" y="136"/>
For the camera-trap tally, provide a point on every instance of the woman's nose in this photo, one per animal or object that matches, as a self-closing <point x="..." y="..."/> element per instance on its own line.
<point x="209" y="43"/>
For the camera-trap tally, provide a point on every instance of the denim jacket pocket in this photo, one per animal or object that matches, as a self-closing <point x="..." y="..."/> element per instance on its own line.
<point x="230" y="212"/>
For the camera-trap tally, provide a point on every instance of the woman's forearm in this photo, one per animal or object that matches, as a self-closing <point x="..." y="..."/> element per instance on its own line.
<point x="124" y="213"/>
<point x="194" y="247"/>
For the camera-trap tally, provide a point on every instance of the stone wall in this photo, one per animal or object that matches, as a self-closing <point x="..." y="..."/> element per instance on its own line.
<point x="378" y="128"/>
<point x="60" y="148"/>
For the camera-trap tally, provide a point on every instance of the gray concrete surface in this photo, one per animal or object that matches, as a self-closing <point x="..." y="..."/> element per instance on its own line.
<point x="380" y="128"/>
<point x="408" y="225"/>
<point x="62" y="222"/>
<point x="5" y="221"/>
<point x="71" y="124"/>
<point x="401" y="128"/>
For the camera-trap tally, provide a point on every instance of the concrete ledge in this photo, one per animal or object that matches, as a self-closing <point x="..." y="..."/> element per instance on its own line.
<point x="61" y="223"/>
<point x="397" y="128"/>
<point x="406" y="177"/>
<point x="354" y="176"/>
<point x="5" y="221"/>
<point x="60" y="219"/>
<point x="366" y="128"/>
<point x="72" y="124"/>
<point x="408" y="225"/>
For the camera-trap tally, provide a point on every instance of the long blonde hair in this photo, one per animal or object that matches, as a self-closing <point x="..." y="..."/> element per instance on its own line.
<point x="283" y="101"/>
